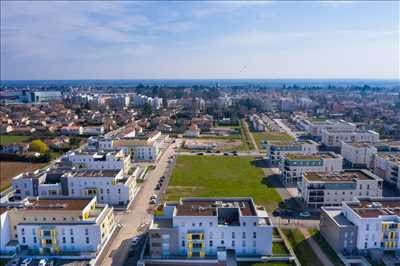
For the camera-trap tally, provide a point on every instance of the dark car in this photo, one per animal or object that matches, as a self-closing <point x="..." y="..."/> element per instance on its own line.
<point x="157" y="187"/>
<point x="226" y="154"/>
<point x="200" y="153"/>
<point x="218" y="152"/>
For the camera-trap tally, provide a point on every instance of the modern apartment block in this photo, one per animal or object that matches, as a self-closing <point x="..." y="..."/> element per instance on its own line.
<point x="110" y="186"/>
<point x="295" y="165"/>
<point x="75" y="228"/>
<point x="277" y="151"/>
<point x="358" y="154"/>
<point x="200" y="228"/>
<point x="387" y="166"/>
<point x="109" y="160"/>
<point x="315" y="126"/>
<point x="331" y="189"/>
<point x="334" y="137"/>
<point x="365" y="225"/>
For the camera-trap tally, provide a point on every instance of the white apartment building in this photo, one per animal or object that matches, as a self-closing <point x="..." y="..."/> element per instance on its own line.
<point x="330" y="189"/>
<point x="358" y="154"/>
<point x="295" y="165"/>
<point x="334" y="137"/>
<point x="277" y="151"/>
<point x="197" y="228"/>
<point x="257" y="123"/>
<point x="109" y="186"/>
<point x="366" y="224"/>
<point x="315" y="126"/>
<point x="77" y="228"/>
<point x="387" y="166"/>
<point x="100" y="160"/>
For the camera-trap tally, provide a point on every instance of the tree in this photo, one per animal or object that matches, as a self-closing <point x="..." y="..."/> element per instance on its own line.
<point x="38" y="146"/>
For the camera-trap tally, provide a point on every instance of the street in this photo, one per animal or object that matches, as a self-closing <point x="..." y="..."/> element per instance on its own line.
<point x="137" y="217"/>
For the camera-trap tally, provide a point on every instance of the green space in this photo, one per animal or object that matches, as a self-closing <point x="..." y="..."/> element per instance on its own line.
<point x="270" y="136"/>
<point x="230" y="137"/>
<point x="221" y="176"/>
<point x="316" y="235"/>
<point x="279" y="249"/>
<point x="8" y="139"/>
<point x="246" y="136"/>
<point x="303" y="250"/>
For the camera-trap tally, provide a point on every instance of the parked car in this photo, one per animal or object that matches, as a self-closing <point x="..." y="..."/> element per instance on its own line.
<point x="42" y="262"/>
<point x="305" y="214"/>
<point x="26" y="262"/>
<point x="154" y="197"/>
<point x="218" y="152"/>
<point x="157" y="187"/>
<point x="226" y="154"/>
<point x="153" y="201"/>
<point x="200" y="153"/>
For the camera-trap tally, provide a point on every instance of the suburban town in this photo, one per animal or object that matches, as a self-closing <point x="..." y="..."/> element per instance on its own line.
<point x="186" y="176"/>
<point x="200" y="133"/>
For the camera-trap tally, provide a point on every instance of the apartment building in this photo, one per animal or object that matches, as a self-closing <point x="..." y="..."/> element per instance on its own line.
<point x="334" y="137"/>
<point x="109" y="160"/>
<point x="110" y="186"/>
<point x="199" y="228"/>
<point x="315" y="126"/>
<point x="358" y="154"/>
<point x="295" y="165"/>
<point x="277" y="151"/>
<point x="330" y="189"/>
<point x="76" y="228"/>
<point x="387" y="166"/>
<point x="365" y="225"/>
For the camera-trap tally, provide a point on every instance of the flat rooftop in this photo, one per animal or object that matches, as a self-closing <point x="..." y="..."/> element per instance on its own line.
<point x="57" y="204"/>
<point x="365" y="144"/>
<point x="375" y="207"/>
<point x="318" y="156"/>
<point x="94" y="173"/>
<point x="344" y="176"/>
<point x="337" y="215"/>
<point x="208" y="207"/>
<point x="390" y="156"/>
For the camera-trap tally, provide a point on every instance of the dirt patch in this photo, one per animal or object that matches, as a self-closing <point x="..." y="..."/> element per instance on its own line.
<point x="10" y="169"/>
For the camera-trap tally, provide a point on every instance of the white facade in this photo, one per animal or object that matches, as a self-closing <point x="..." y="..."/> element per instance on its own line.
<point x="315" y="127"/>
<point x="322" y="189"/>
<point x="359" y="154"/>
<point x="334" y="137"/>
<point x="110" y="187"/>
<point x="199" y="227"/>
<point x="100" y="160"/>
<point x="377" y="222"/>
<point x="387" y="166"/>
<point x="276" y="152"/>
<point x="295" y="165"/>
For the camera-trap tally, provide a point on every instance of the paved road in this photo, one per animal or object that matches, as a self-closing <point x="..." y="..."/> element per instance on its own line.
<point x="286" y="128"/>
<point x="239" y="153"/>
<point x="135" y="219"/>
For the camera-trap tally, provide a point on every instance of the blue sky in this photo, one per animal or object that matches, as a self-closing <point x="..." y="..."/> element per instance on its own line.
<point x="242" y="39"/>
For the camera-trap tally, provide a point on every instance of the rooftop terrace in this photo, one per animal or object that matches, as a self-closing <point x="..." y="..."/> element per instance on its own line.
<point x="345" y="176"/>
<point x="375" y="207"/>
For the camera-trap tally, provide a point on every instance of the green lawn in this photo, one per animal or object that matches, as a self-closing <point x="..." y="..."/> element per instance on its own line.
<point x="303" y="250"/>
<point x="7" y="139"/>
<point x="270" y="136"/>
<point x="220" y="176"/>
<point x="316" y="235"/>
<point x="246" y="136"/>
<point x="279" y="248"/>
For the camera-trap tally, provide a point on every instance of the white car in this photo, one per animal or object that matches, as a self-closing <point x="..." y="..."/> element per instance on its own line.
<point x="153" y="201"/>
<point x="154" y="197"/>
<point x="42" y="262"/>
<point x="26" y="262"/>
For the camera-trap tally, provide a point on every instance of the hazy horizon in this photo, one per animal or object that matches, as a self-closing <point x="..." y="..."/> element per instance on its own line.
<point x="200" y="40"/>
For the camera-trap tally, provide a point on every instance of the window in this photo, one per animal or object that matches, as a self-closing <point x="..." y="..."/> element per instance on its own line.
<point x="72" y="240"/>
<point x="222" y="242"/>
<point x="244" y="235"/>
<point x="243" y="243"/>
<point x="34" y="240"/>
<point x="211" y="243"/>
<point x="244" y="223"/>
<point x="23" y="231"/>
<point x="64" y="240"/>
<point x="211" y="223"/>
<point x="86" y="231"/>
<point x="193" y="224"/>
<point x="87" y="240"/>
<point x="233" y="234"/>
<point x="367" y="227"/>
<point x="71" y="231"/>
<point x="365" y="245"/>
<point x="200" y="224"/>
<point x="254" y="235"/>
<point x="233" y="243"/>
<point x="255" y="223"/>
<point x="23" y="240"/>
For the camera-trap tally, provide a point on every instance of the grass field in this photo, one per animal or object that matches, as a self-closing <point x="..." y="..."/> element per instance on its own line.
<point x="7" y="139"/>
<point x="220" y="176"/>
<point x="316" y="235"/>
<point x="270" y="136"/>
<point x="303" y="250"/>
<point x="279" y="248"/>
<point x="10" y="169"/>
